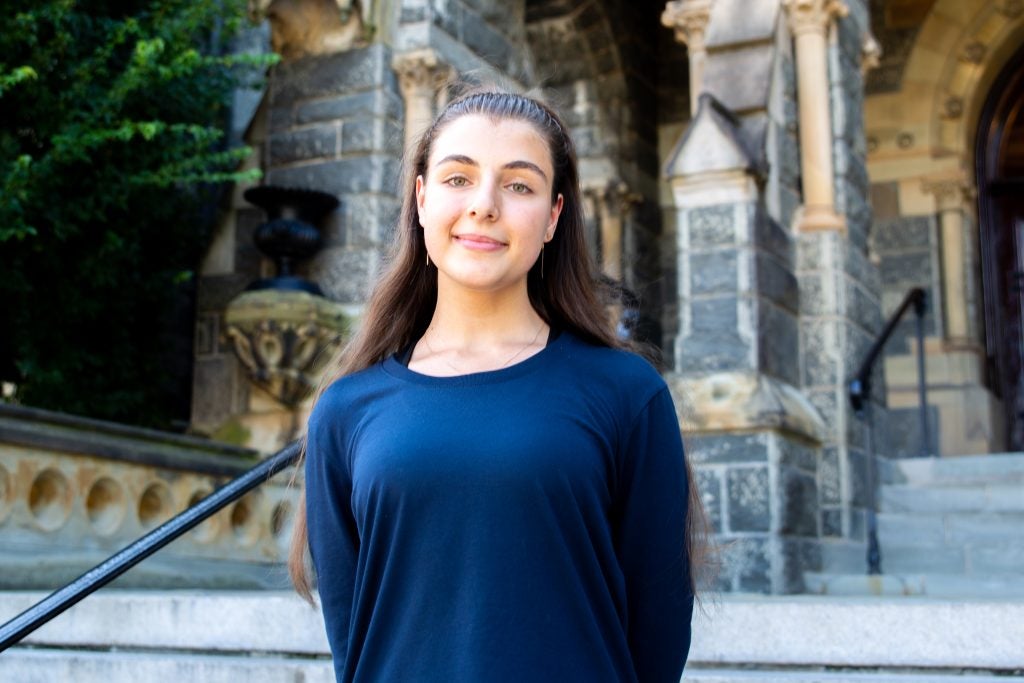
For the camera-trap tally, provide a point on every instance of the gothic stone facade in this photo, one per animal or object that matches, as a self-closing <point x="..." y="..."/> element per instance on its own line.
<point x="769" y="176"/>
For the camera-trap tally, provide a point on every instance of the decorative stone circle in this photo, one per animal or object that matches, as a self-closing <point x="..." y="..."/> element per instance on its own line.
<point x="106" y="504"/>
<point x="207" y="531"/>
<point x="156" y="505"/>
<point x="49" y="500"/>
<point x="6" y="494"/>
<point x="244" y="521"/>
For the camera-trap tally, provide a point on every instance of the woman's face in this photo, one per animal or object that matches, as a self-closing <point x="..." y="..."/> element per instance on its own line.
<point x="485" y="202"/>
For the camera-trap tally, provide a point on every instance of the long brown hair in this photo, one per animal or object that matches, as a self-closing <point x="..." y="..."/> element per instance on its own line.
<point x="567" y="296"/>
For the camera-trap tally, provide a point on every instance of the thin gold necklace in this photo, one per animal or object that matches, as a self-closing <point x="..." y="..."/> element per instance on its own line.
<point x="515" y="355"/>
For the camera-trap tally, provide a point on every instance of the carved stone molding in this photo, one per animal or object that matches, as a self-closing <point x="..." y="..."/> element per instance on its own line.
<point x="950" y="193"/>
<point x="813" y="16"/>
<point x="299" y="28"/>
<point x="283" y="338"/>
<point x="420" y="71"/>
<point x="870" y="53"/>
<point x="973" y="53"/>
<point x="421" y="77"/>
<point x="689" y="19"/>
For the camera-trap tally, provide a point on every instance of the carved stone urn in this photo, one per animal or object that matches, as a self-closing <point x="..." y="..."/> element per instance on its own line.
<point x="282" y="328"/>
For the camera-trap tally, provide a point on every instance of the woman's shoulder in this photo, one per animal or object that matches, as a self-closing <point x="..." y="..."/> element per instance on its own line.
<point x="616" y="367"/>
<point x="348" y="392"/>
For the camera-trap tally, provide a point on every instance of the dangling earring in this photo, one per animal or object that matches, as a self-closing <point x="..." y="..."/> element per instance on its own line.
<point x="542" y="262"/>
<point x="428" y="259"/>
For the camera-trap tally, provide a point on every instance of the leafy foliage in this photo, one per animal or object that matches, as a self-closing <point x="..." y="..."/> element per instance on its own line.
<point x="111" y="155"/>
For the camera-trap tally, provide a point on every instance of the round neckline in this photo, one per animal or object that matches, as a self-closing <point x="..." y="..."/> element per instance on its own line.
<point x="393" y="367"/>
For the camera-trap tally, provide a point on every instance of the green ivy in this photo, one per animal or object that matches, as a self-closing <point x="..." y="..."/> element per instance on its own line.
<point x="112" y="161"/>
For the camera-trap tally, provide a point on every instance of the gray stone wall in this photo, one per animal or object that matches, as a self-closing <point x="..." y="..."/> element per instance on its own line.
<point x="335" y="124"/>
<point x="475" y="36"/>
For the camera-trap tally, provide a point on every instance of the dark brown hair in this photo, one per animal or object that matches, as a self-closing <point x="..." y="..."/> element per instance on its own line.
<point x="567" y="297"/>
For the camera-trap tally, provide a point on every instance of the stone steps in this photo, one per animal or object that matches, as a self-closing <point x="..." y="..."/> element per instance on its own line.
<point x="117" y="636"/>
<point x="894" y="584"/>
<point x="947" y="527"/>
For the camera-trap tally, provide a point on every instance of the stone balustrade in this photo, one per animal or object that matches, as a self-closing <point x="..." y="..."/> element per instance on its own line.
<point x="74" y="491"/>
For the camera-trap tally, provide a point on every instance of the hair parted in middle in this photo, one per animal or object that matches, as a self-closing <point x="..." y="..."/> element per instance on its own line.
<point x="567" y="296"/>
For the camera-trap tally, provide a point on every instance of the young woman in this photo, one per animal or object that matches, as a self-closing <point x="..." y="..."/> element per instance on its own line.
<point x="494" y="490"/>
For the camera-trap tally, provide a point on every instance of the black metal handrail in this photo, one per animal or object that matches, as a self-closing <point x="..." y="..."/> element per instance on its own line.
<point x="860" y="399"/>
<point x="117" y="564"/>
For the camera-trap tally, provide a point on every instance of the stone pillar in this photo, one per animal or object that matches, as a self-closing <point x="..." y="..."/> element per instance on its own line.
<point x="951" y="198"/>
<point x="689" y="19"/>
<point x="750" y="432"/>
<point x="809" y="21"/>
<point x="421" y="73"/>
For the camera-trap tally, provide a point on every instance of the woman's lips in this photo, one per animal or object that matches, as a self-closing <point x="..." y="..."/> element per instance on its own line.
<point x="479" y="242"/>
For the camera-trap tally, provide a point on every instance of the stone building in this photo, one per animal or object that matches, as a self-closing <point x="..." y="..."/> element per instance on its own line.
<point x="770" y="177"/>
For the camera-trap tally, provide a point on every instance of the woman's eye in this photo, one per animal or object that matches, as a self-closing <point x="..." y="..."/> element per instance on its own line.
<point x="519" y="188"/>
<point x="457" y="181"/>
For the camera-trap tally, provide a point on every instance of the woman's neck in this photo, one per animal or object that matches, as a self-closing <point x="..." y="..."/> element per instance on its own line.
<point x="478" y="331"/>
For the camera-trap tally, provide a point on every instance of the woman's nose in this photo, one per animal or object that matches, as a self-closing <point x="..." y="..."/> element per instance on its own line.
<point x="484" y="205"/>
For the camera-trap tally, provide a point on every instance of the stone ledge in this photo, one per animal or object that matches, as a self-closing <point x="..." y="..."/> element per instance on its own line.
<point x="737" y="631"/>
<point x="744" y="401"/>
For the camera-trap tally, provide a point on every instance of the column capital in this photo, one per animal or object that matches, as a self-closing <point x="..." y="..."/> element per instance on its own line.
<point x="689" y="19"/>
<point x="951" y="193"/>
<point x="419" y="71"/>
<point x="813" y="16"/>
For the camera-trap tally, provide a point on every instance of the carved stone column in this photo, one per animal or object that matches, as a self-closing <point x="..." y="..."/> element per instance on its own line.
<point x="421" y="73"/>
<point x="689" y="19"/>
<point x="810" y="20"/>
<point x="951" y="202"/>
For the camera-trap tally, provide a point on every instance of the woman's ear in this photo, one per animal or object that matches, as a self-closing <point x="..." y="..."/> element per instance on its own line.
<point x="420" y="193"/>
<point x="556" y="211"/>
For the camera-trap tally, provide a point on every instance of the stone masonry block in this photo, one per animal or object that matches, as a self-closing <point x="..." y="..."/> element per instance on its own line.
<point x="359" y="105"/>
<point x="320" y="142"/>
<point x="485" y="41"/>
<point x="798" y="503"/>
<point x="713" y="272"/>
<point x="798" y="455"/>
<point x="374" y="173"/>
<point x="326" y="75"/>
<point x="829" y="483"/>
<point x="724" y="449"/>
<point x="777" y="283"/>
<point x="709" y="351"/>
<point x="777" y="339"/>
<point x="740" y="78"/>
<point x="344" y="274"/>
<point x="831" y="523"/>
<point x="903" y="233"/>
<point x="709" y="483"/>
<point x="796" y="556"/>
<point x="712" y="226"/>
<point x="749" y="499"/>
<point x="821" y="365"/>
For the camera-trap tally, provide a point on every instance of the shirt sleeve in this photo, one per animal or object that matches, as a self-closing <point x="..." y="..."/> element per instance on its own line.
<point x="333" y="537"/>
<point x="650" y="542"/>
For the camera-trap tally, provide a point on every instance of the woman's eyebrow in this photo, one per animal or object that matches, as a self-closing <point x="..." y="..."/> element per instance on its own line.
<point x="469" y="161"/>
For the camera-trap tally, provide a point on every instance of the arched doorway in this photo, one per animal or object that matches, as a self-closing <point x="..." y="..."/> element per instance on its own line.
<point x="1000" y="175"/>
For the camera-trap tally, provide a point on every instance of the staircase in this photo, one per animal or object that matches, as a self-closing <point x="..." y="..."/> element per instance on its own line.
<point x="206" y="637"/>
<point x="947" y="527"/>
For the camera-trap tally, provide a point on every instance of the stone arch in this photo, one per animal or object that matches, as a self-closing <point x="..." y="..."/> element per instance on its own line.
<point x="960" y="48"/>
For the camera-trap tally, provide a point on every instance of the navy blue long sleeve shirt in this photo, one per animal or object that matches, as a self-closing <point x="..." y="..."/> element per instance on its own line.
<point x="523" y="524"/>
